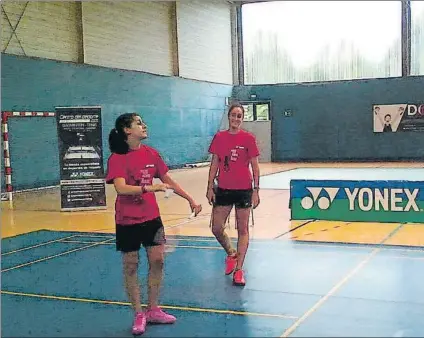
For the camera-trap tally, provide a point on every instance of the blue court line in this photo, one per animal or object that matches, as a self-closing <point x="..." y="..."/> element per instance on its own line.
<point x="54" y="256"/>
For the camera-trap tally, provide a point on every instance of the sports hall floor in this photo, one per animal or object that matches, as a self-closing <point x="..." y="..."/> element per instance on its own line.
<point x="61" y="275"/>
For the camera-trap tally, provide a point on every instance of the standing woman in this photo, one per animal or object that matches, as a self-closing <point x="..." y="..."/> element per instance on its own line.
<point x="132" y="167"/>
<point x="233" y="152"/>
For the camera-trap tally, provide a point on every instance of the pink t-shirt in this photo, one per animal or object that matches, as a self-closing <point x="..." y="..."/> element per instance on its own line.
<point x="234" y="152"/>
<point x="138" y="167"/>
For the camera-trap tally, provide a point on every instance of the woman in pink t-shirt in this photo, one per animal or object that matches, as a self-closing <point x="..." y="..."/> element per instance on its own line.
<point x="132" y="167"/>
<point x="233" y="152"/>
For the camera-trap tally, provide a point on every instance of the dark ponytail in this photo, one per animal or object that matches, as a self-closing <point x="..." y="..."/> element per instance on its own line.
<point x="117" y="136"/>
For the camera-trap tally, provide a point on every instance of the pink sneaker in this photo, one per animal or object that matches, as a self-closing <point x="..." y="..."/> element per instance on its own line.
<point x="157" y="316"/>
<point x="139" y="325"/>
<point x="238" y="278"/>
<point x="230" y="264"/>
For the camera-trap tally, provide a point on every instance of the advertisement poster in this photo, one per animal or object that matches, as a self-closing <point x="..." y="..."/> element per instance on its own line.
<point x="357" y="201"/>
<point x="80" y="158"/>
<point x="392" y="118"/>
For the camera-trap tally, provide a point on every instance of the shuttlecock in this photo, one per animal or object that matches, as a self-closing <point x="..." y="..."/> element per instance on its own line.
<point x="168" y="193"/>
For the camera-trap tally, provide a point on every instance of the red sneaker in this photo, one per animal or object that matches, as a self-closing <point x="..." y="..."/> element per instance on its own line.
<point x="230" y="264"/>
<point x="238" y="278"/>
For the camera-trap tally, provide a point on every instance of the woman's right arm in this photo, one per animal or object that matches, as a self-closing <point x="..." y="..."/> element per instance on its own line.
<point x="212" y="171"/>
<point x="122" y="188"/>
<point x="210" y="193"/>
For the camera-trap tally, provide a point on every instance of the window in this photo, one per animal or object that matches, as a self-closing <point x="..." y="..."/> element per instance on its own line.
<point x="256" y="111"/>
<point x="417" y="37"/>
<point x="248" y="112"/>
<point x="262" y="112"/>
<point x="305" y="41"/>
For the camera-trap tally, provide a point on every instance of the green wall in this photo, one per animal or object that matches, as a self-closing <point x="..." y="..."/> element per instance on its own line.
<point x="333" y="121"/>
<point x="182" y="115"/>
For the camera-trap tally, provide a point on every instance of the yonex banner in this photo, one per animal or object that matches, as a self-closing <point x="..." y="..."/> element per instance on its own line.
<point x="82" y="184"/>
<point x="373" y="201"/>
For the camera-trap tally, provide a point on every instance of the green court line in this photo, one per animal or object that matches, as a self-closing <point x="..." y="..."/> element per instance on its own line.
<point x="172" y="307"/>
<point x="54" y="256"/>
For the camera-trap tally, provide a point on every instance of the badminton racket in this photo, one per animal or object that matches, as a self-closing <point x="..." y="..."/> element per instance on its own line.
<point x="173" y="243"/>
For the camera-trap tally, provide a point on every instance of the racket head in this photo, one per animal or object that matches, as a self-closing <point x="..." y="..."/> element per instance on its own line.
<point x="173" y="243"/>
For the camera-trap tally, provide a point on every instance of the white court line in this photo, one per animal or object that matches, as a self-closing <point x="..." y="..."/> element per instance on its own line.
<point x="37" y="245"/>
<point x="338" y="285"/>
<point x="54" y="256"/>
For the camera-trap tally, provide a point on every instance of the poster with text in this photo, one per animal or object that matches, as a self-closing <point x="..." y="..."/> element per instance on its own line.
<point x="391" y="118"/>
<point x="81" y="158"/>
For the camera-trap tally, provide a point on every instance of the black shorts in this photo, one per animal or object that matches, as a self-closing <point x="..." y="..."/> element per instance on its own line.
<point x="241" y="199"/>
<point x="130" y="237"/>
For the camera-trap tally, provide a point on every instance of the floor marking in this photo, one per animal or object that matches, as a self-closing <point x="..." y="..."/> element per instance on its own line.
<point x="95" y="236"/>
<point x="37" y="245"/>
<point x="175" y="246"/>
<point x="216" y="247"/>
<point x="186" y="246"/>
<point x="295" y="228"/>
<point x="85" y="242"/>
<point x="173" y="307"/>
<point x="400" y="247"/>
<point x="250" y="249"/>
<point x="336" y="245"/>
<point x="336" y="287"/>
<point x="54" y="256"/>
<point x="170" y="238"/>
<point x="311" y="233"/>
<point x="359" y="246"/>
<point x="254" y="241"/>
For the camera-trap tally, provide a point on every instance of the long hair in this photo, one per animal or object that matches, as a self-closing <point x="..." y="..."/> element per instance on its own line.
<point x="117" y="136"/>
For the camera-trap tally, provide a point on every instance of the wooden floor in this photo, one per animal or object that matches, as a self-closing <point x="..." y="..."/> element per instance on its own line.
<point x="38" y="210"/>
